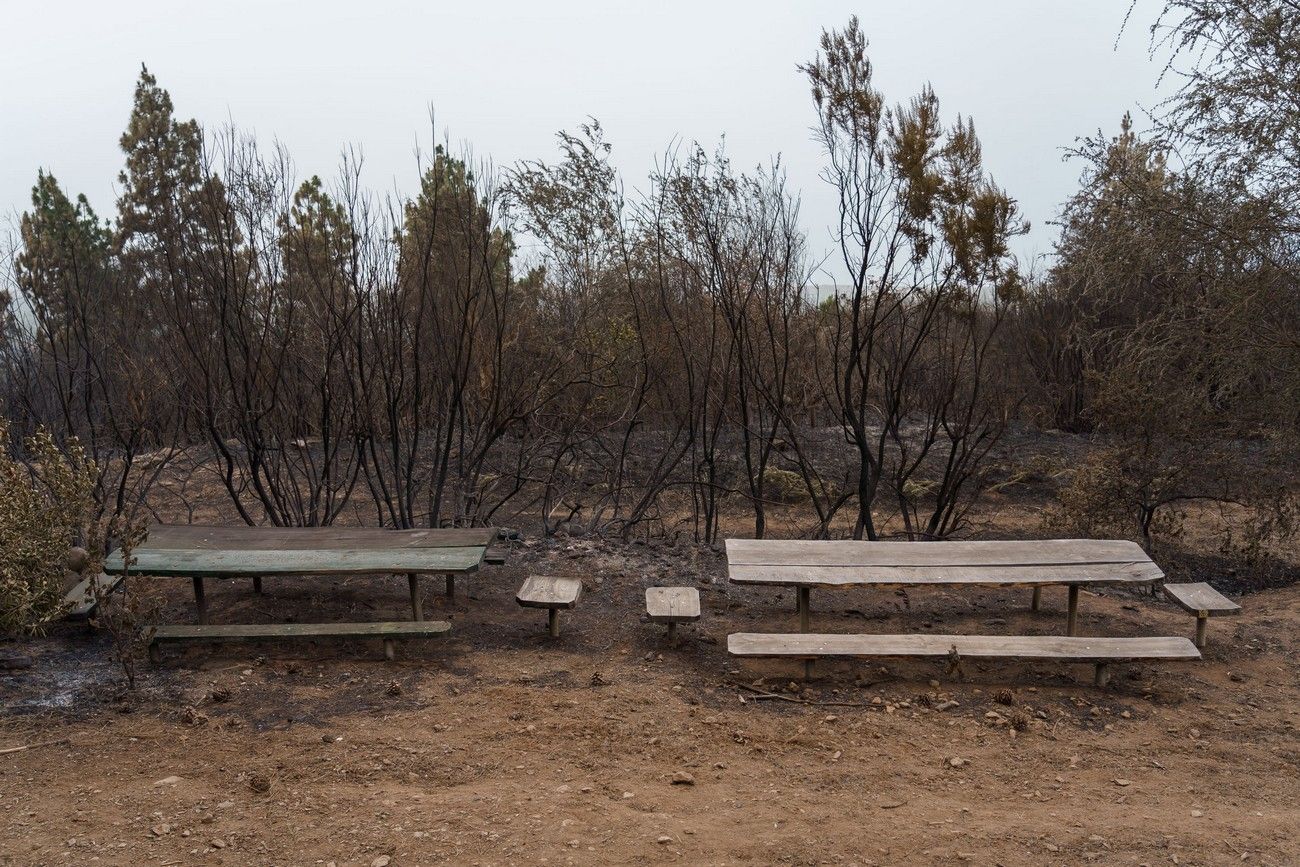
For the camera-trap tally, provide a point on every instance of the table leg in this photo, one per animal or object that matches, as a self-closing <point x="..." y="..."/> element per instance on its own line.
<point x="1038" y="599"/>
<point x="451" y="586"/>
<point x="257" y="585"/>
<point x="1072" y="612"/>
<point x="1201" y="619"/>
<point x="417" y="604"/>
<point x="804" y="600"/>
<point x="199" y="602"/>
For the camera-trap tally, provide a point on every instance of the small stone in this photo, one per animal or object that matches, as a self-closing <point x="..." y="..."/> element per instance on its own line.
<point x="947" y="705"/>
<point x="663" y="839"/>
<point x="1122" y="782"/>
<point x="168" y="781"/>
<point x="956" y="762"/>
<point x="682" y="778"/>
<point x="217" y="843"/>
<point x="1196" y="814"/>
<point x="381" y="861"/>
<point x="76" y="560"/>
<point x="628" y="796"/>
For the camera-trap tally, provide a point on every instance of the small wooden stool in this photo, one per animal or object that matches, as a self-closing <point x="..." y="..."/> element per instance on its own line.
<point x="1202" y="600"/>
<point x="551" y="593"/>
<point x="672" y="605"/>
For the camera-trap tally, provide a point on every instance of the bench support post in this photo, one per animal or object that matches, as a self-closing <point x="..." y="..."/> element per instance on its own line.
<point x="200" y="604"/>
<point x="1037" y="600"/>
<point x="417" y="603"/>
<point x="553" y="621"/>
<point x="1102" y="677"/>
<point x="1072" y="611"/>
<point x="451" y="586"/>
<point x="1202" y="618"/>
<point x="257" y="585"/>
<point x="804" y="604"/>
<point x="672" y="631"/>
<point x="808" y="669"/>
<point x="155" y="653"/>
<point x="390" y="649"/>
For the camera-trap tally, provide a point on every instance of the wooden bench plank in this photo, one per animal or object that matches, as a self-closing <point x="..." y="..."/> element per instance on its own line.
<point x="215" y="563"/>
<point x="1024" y="575"/>
<point x="672" y="604"/>
<point x="1201" y="597"/>
<point x="1204" y="601"/>
<point x="243" y="538"/>
<point x="1043" y="552"/>
<point x="549" y="591"/>
<point x="388" y="632"/>
<point x="1080" y="649"/>
<point x="81" y="597"/>
<point x="251" y="631"/>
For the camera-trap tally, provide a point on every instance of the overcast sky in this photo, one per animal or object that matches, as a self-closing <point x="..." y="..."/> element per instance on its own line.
<point x="504" y="76"/>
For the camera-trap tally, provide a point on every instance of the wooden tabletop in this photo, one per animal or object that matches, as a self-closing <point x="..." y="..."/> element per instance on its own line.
<point x="993" y="563"/>
<point x="205" y="551"/>
<point x="209" y="538"/>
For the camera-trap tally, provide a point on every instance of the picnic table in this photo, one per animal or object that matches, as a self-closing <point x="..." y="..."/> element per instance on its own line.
<point x="1072" y="563"/>
<point x="199" y="552"/>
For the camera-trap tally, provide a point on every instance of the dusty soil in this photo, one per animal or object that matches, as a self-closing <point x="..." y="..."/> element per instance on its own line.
<point x="501" y="746"/>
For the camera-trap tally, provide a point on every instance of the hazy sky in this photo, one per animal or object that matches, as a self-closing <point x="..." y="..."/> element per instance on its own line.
<point x="503" y="77"/>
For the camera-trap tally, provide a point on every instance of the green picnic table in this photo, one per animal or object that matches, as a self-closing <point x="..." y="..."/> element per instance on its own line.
<point x="198" y="552"/>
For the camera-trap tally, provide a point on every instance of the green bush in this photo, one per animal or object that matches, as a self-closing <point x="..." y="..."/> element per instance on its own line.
<point x="784" y="486"/>
<point x="43" y="509"/>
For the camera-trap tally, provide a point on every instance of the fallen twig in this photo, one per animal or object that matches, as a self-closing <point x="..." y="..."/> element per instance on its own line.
<point x="760" y="694"/>
<point x="8" y="750"/>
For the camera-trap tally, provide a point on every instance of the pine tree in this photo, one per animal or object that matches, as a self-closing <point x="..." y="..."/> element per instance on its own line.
<point x="171" y="209"/>
<point x="65" y="254"/>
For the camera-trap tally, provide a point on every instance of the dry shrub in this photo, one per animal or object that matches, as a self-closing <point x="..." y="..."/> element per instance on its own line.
<point x="43" y="509"/>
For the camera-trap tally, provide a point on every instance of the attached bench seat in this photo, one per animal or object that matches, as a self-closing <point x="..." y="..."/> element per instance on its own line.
<point x="1100" y="651"/>
<point x="81" y="599"/>
<point x="1202" y="600"/>
<point x="389" y="632"/>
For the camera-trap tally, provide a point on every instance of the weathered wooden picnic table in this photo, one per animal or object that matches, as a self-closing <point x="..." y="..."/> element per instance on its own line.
<point x="1072" y="563"/>
<point x="199" y="552"/>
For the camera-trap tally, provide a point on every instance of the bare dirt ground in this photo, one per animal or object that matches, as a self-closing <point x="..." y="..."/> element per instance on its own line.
<point x="499" y="745"/>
